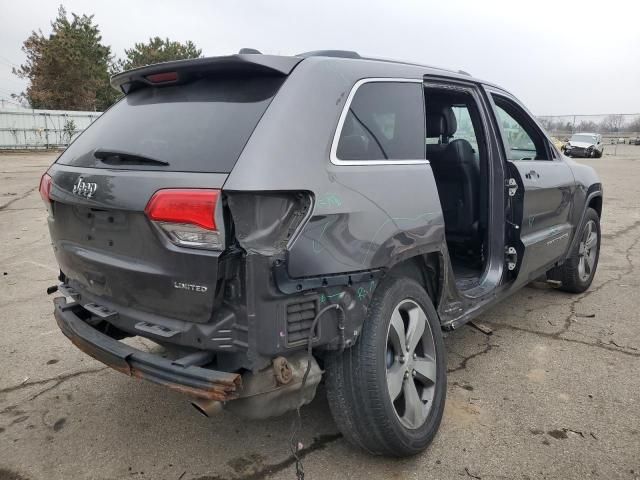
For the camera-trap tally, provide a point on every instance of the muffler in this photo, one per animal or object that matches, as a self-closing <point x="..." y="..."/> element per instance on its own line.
<point x="208" y="408"/>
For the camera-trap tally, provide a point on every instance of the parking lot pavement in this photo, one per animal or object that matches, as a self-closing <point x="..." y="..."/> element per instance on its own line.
<point x="553" y="393"/>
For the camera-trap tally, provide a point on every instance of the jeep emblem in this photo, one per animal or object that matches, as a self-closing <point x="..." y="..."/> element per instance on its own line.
<point x="84" y="189"/>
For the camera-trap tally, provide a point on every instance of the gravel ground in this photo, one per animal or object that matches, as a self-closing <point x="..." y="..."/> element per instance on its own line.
<point x="553" y="393"/>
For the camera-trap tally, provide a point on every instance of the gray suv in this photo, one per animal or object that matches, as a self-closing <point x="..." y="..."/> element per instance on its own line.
<point x="272" y="222"/>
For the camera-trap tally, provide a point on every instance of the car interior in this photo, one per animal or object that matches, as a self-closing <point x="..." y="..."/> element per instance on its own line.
<point x="458" y="159"/>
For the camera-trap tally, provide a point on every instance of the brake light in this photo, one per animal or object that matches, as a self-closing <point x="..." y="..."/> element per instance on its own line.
<point x="162" y="77"/>
<point x="187" y="216"/>
<point x="45" y="189"/>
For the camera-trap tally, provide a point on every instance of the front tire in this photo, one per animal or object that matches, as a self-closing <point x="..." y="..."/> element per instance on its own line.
<point x="577" y="272"/>
<point x="387" y="392"/>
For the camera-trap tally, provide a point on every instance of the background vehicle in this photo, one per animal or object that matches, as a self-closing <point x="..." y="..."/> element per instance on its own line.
<point x="584" y="145"/>
<point x="303" y="231"/>
<point x="634" y="140"/>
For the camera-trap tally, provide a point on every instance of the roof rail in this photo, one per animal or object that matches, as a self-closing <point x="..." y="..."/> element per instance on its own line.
<point x="330" y="53"/>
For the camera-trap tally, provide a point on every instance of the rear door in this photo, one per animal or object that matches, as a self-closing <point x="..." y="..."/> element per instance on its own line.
<point x="184" y="137"/>
<point x="548" y="183"/>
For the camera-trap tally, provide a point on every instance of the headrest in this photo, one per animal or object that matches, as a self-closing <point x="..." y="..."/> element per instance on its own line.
<point x="441" y="121"/>
<point x="353" y="147"/>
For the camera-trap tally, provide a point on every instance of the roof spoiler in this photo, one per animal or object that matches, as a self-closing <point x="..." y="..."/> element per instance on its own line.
<point x="183" y="71"/>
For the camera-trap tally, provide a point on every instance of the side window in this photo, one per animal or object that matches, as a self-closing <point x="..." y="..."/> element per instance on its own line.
<point x="385" y="121"/>
<point x="465" y="129"/>
<point x="522" y="140"/>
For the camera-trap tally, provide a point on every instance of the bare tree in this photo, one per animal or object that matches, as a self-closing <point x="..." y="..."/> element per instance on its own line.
<point x="613" y="123"/>
<point x="587" y="126"/>
<point x="634" y="126"/>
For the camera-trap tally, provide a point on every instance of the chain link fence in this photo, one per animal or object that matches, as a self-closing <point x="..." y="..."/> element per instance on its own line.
<point x="41" y="129"/>
<point x="22" y="128"/>
<point x="612" y="127"/>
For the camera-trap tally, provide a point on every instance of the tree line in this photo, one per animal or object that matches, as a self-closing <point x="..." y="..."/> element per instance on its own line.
<point x="69" y="69"/>
<point x="610" y="124"/>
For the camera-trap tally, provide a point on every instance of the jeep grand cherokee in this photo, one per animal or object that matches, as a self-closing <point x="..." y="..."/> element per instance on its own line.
<point x="272" y="220"/>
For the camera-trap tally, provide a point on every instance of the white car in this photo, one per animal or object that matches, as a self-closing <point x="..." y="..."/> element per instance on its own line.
<point x="584" y="145"/>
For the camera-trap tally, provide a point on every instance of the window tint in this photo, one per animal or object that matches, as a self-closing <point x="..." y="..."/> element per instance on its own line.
<point x="202" y="126"/>
<point x="385" y="121"/>
<point x="522" y="141"/>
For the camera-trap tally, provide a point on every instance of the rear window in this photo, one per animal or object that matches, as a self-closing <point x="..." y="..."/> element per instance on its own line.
<point x="202" y="126"/>
<point x="385" y="121"/>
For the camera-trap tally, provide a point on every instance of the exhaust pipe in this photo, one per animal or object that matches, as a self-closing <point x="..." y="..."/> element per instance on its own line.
<point x="207" y="408"/>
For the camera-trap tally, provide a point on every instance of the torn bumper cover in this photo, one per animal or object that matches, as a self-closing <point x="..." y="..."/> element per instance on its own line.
<point x="190" y="380"/>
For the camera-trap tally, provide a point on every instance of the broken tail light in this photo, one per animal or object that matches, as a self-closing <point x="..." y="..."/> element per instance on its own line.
<point x="45" y="190"/>
<point x="187" y="216"/>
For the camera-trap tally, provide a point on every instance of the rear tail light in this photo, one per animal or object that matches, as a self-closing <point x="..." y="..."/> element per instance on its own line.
<point x="45" y="190"/>
<point x="187" y="217"/>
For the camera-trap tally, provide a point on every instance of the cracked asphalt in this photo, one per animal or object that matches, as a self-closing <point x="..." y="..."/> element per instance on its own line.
<point x="553" y="393"/>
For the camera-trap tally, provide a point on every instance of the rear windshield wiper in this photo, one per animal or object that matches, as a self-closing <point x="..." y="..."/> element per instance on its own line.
<point x="113" y="157"/>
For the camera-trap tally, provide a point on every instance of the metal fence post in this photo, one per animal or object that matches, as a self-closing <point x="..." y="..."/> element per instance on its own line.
<point x="46" y="131"/>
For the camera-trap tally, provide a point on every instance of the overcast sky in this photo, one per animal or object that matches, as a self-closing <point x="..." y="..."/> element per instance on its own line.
<point x="558" y="57"/>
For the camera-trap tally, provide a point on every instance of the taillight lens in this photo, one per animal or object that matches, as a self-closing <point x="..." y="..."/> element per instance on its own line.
<point x="45" y="190"/>
<point x="187" y="216"/>
<point x="163" y="77"/>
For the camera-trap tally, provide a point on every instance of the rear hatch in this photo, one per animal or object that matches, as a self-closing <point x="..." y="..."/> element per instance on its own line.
<point x="175" y="142"/>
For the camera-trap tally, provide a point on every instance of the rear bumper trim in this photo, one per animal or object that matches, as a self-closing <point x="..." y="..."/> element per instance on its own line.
<point x="190" y="380"/>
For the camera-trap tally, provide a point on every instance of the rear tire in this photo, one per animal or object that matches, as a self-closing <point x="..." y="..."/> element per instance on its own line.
<point x="399" y="355"/>
<point x="577" y="272"/>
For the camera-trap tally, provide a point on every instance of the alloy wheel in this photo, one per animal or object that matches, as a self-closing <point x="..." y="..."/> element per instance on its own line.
<point x="588" y="250"/>
<point x="411" y="364"/>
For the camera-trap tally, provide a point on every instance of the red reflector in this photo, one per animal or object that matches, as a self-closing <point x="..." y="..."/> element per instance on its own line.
<point x="192" y="206"/>
<point x="45" y="188"/>
<point x="162" y="77"/>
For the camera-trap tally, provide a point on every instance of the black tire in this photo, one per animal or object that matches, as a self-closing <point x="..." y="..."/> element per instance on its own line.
<point x="356" y="379"/>
<point x="570" y="273"/>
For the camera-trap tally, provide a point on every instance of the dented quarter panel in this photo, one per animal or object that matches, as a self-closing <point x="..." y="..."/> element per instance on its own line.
<point x="363" y="216"/>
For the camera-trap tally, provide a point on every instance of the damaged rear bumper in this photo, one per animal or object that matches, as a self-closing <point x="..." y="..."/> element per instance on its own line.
<point x="191" y="380"/>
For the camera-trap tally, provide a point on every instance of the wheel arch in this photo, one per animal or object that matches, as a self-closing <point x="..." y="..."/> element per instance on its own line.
<point x="595" y="202"/>
<point x="426" y="269"/>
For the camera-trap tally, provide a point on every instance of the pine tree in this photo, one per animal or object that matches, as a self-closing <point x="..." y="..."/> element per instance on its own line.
<point x="156" y="50"/>
<point x="69" y="69"/>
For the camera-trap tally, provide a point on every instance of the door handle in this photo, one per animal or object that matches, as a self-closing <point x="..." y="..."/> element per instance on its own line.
<point x="532" y="175"/>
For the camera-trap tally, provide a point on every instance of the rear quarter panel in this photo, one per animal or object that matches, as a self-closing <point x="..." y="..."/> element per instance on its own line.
<point x="363" y="216"/>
